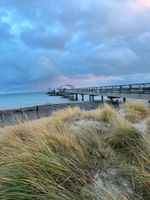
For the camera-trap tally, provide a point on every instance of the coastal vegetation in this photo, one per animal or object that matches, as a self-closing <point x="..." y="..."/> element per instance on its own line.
<point x="78" y="155"/>
<point x="135" y="112"/>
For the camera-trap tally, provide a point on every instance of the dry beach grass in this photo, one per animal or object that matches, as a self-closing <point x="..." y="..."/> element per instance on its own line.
<point x="135" y="112"/>
<point x="59" y="158"/>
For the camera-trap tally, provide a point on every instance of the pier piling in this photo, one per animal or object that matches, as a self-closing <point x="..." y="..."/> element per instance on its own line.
<point x="90" y="98"/>
<point x="76" y="97"/>
<point x="82" y="95"/>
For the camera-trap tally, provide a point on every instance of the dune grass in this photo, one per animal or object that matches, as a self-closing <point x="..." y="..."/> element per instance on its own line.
<point x="148" y="126"/>
<point x="135" y="112"/>
<point x="104" y="113"/>
<point x="46" y="160"/>
<point x="124" y="136"/>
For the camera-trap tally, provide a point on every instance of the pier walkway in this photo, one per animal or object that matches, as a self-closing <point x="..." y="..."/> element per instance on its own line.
<point x="135" y="91"/>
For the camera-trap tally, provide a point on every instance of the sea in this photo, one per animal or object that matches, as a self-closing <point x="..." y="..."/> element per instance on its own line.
<point x="19" y="100"/>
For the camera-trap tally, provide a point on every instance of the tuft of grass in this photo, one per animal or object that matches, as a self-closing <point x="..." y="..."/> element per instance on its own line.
<point x="107" y="113"/>
<point x="104" y="114"/>
<point x="135" y="112"/>
<point x="148" y="126"/>
<point x="50" y="169"/>
<point x="67" y="114"/>
<point x="133" y="116"/>
<point x="125" y="138"/>
<point x="134" y="149"/>
<point x="140" y="179"/>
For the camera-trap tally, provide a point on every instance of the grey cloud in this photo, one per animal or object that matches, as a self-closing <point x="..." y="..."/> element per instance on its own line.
<point x="43" y="40"/>
<point x="26" y="69"/>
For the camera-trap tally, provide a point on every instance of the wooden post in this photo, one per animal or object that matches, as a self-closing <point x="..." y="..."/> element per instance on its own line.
<point x="76" y="97"/>
<point x="90" y="98"/>
<point x="82" y="97"/>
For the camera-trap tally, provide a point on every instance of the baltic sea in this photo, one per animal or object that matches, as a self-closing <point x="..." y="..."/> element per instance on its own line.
<point x="17" y="100"/>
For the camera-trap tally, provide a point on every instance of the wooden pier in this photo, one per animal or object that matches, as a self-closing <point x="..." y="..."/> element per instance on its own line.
<point x="133" y="91"/>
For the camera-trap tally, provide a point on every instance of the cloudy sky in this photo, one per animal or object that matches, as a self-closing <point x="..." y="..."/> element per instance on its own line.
<point x="47" y="43"/>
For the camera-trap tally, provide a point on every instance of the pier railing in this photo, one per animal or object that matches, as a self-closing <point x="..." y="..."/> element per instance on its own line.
<point x="143" y="88"/>
<point x="141" y="91"/>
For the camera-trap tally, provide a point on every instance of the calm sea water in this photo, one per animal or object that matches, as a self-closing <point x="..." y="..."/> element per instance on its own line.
<point x="28" y="99"/>
<point x="8" y="101"/>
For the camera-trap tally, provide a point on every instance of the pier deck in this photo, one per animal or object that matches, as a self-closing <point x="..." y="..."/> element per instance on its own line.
<point x="136" y="91"/>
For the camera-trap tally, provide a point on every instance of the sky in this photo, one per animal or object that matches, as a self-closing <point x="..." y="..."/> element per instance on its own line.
<point x="48" y="43"/>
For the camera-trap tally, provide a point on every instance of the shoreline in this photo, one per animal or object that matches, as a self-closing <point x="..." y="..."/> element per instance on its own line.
<point x="10" y="117"/>
<point x="14" y="116"/>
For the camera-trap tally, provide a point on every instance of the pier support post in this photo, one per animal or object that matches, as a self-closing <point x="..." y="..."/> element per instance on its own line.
<point x="82" y="95"/>
<point x="102" y="98"/>
<point x="76" y="97"/>
<point x="90" y="99"/>
<point x="124" y="100"/>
